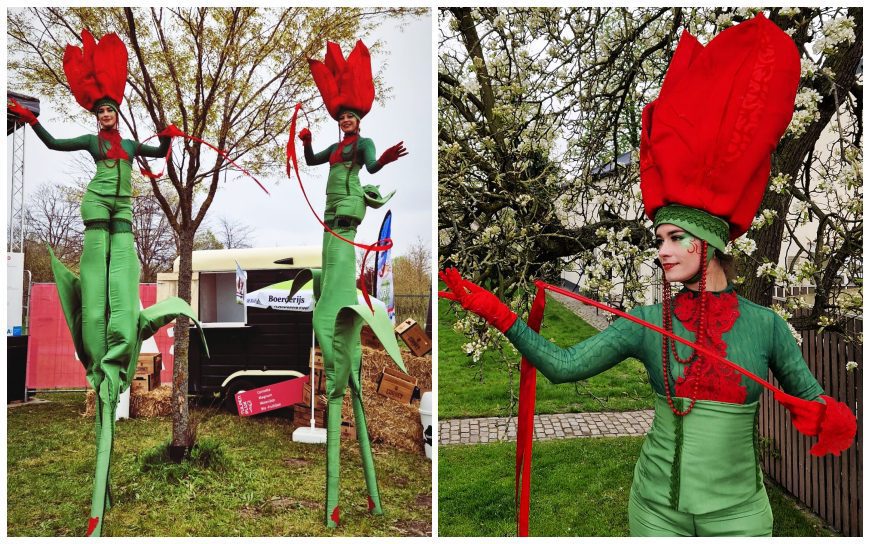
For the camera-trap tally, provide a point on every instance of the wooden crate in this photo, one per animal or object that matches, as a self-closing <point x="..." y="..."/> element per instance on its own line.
<point x="149" y="363"/>
<point x="369" y="339"/>
<point x="348" y="430"/>
<point x="414" y="337"/>
<point x="397" y="385"/>
<point x="143" y="384"/>
<point x="302" y="415"/>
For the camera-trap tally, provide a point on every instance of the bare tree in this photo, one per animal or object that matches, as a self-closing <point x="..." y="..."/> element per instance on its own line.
<point x="234" y="234"/>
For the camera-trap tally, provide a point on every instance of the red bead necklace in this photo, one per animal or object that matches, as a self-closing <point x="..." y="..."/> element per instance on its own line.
<point x="667" y="321"/>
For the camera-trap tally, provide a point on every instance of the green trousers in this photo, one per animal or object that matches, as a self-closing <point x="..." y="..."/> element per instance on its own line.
<point x="110" y="317"/>
<point x="338" y="334"/>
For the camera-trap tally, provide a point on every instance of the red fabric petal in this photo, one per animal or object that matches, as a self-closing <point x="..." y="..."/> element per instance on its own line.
<point x="688" y="49"/>
<point x="82" y="89"/>
<point x="110" y="67"/>
<point x="371" y="504"/>
<point x="345" y="84"/>
<point x="838" y="429"/>
<point x="326" y="84"/>
<point x="336" y="515"/>
<point x="334" y="58"/>
<point x="95" y="70"/>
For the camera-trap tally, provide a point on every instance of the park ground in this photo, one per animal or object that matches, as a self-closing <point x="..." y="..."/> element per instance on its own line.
<point x="247" y="478"/>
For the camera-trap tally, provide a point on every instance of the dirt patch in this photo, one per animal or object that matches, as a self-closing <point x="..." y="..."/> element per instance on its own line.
<point x="249" y="512"/>
<point x="296" y="462"/>
<point x="282" y="504"/>
<point x="413" y="528"/>
<point x="399" y="481"/>
<point x="423" y="500"/>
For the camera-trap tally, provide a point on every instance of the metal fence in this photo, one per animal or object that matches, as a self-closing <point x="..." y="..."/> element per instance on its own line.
<point x="830" y="486"/>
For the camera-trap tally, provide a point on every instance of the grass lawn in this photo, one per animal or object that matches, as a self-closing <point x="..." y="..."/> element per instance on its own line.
<point x="579" y="488"/>
<point x="464" y="392"/>
<point x="262" y="485"/>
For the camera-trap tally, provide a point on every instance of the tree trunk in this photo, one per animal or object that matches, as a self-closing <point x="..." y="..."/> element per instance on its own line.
<point x="182" y="437"/>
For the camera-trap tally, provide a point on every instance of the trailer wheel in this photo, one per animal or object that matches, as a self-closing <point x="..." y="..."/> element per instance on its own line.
<point x="236" y="386"/>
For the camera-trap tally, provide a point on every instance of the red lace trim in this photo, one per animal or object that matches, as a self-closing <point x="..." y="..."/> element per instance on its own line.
<point x="114" y="149"/>
<point x="715" y="381"/>
<point x="336" y="157"/>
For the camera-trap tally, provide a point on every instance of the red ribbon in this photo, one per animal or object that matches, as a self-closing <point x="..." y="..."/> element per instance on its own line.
<point x="172" y="131"/>
<point x="380" y="245"/>
<point x="526" y="423"/>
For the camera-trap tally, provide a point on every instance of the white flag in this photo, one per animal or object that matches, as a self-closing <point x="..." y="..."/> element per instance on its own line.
<point x="241" y="284"/>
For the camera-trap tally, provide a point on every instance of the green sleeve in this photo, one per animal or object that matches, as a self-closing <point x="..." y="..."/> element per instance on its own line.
<point x="366" y="150"/>
<point x="313" y="159"/>
<point x="143" y="150"/>
<point x="79" y="143"/>
<point x="584" y="360"/>
<point x="788" y="365"/>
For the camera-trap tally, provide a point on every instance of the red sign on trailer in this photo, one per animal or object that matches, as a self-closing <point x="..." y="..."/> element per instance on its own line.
<point x="271" y="397"/>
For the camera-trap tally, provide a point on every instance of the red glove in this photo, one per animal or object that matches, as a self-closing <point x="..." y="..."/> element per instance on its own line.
<point x="477" y="299"/>
<point x="171" y="131"/>
<point x="305" y="136"/>
<point x="393" y="153"/>
<point x="833" y="422"/>
<point x="23" y="113"/>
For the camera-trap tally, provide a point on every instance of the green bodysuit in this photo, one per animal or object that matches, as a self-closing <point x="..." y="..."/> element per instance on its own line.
<point x="102" y="305"/>
<point x="700" y="468"/>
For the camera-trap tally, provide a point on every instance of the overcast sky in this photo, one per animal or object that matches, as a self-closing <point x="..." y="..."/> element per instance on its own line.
<point x="283" y="218"/>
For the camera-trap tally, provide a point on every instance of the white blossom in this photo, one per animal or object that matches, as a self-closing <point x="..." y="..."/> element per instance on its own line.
<point x="779" y="183"/>
<point x="851" y="365"/>
<point x="835" y="32"/>
<point x="743" y="245"/>
<point x="808" y="68"/>
<point x="789" y="12"/>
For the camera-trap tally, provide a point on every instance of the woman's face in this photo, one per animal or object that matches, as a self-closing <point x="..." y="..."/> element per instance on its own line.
<point x="679" y="252"/>
<point x="107" y="117"/>
<point x="348" y="123"/>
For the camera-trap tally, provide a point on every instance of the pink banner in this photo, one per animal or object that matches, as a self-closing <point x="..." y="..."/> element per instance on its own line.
<point x="51" y="357"/>
<point x="271" y="397"/>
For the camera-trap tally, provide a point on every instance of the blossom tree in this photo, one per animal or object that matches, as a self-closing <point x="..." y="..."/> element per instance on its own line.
<point x="538" y="133"/>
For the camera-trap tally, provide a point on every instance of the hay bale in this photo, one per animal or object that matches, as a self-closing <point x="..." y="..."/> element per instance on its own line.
<point x="154" y="403"/>
<point x="390" y="422"/>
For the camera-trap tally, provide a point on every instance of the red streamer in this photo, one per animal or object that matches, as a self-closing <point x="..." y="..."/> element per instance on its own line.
<point x="172" y="131"/>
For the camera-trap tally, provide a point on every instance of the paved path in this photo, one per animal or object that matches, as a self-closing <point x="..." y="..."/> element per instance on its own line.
<point x="550" y="426"/>
<point x="590" y="314"/>
<point x="547" y="427"/>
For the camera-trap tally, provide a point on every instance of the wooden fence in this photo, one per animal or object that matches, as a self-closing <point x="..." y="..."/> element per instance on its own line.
<point x="830" y="486"/>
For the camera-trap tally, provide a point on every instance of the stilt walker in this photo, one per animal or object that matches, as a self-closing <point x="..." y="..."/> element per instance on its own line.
<point x="348" y="92"/>
<point x="102" y="305"/>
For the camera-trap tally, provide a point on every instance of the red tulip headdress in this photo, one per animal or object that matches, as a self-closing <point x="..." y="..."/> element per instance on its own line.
<point x="706" y="140"/>
<point x="97" y="71"/>
<point x="345" y="85"/>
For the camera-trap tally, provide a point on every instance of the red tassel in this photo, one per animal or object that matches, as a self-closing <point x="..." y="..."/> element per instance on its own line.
<point x="336" y="515"/>
<point x="371" y="504"/>
<point x="838" y="429"/>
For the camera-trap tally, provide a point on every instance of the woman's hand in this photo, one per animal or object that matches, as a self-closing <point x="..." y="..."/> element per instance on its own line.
<point x="393" y="153"/>
<point x="171" y="131"/>
<point x="23" y="113"/>
<point x="305" y="136"/>
<point x="476" y="299"/>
